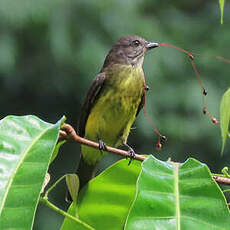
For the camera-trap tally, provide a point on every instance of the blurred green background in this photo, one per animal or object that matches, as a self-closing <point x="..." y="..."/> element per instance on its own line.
<point x="50" y="50"/>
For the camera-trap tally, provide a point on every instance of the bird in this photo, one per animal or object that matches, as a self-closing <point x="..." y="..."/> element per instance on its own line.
<point x="113" y="102"/>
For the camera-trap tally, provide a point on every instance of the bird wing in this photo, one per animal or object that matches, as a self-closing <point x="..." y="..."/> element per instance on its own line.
<point x="92" y="95"/>
<point x="142" y="102"/>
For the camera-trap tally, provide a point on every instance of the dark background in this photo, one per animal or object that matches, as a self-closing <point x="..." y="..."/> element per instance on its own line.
<point x="50" y="50"/>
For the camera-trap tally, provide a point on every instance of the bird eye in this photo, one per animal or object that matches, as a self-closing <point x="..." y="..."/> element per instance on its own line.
<point x="136" y="43"/>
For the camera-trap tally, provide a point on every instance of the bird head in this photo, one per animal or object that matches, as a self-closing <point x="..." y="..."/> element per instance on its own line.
<point x="129" y="50"/>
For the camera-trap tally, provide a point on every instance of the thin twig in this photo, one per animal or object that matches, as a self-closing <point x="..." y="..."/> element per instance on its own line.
<point x="68" y="133"/>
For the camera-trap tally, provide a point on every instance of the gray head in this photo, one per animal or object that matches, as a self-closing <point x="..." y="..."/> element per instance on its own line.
<point x="129" y="50"/>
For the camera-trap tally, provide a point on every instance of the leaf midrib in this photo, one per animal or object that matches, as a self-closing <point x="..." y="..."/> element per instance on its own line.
<point x="18" y="166"/>
<point x="176" y="194"/>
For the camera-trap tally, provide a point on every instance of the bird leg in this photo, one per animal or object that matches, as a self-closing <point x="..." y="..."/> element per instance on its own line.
<point x="131" y="153"/>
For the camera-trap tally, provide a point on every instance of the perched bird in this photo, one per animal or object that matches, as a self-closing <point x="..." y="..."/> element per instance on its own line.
<point x="113" y="101"/>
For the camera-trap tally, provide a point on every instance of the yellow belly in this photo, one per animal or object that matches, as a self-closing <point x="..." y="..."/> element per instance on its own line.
<point x="112" y="116"/>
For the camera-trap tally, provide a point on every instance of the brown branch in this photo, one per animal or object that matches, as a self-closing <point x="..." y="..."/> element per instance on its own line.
<point x="67" y="132"/>
<point x="222" y="180"/>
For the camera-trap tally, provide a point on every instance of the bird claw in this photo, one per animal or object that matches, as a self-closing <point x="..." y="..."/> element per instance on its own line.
<point x="102" y="146"/>
<point x="131" y="152"/>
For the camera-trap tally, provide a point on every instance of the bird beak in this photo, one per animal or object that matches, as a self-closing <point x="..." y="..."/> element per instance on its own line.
<point x="151" y="45"/>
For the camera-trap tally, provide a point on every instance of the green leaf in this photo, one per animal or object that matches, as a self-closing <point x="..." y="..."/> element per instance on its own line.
<point x="72" y="182"/>
<point x="221" y="2"/>
<point x="105" y="202"/>
<point x="177" y="196"/>
<point x="26" y="146"/>
<point x="224" y="117"/>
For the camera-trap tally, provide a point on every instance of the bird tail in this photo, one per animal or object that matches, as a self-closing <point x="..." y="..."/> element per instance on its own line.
<point x="85" y="173"/>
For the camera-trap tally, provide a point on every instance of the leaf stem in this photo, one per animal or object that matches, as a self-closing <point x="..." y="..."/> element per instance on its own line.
<point x="219" y="175"/>
<point x="54" y="185"/>
<point x="45" y="201"/>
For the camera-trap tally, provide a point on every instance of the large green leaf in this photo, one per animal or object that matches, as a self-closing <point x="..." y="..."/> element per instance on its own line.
<point x="26" y="146"/>
<point x="225" y="117"/>
<point x="105" y="202"/>
<point x="177" y="196"/>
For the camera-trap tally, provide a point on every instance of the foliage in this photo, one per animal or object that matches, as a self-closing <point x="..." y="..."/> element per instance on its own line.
<point x="113" y="191"/>
<point x="221" y="2"/>
<point x="177" y="196"/>
<point x="51" y="50"/>
<point x="26" y="145"/>
<point x="169" y="196"/>
<point x="225" y="117"/>
<point x="72" y="182"/>
<point x="154" y="194"/>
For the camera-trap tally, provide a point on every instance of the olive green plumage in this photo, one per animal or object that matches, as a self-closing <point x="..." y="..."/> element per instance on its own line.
<point x="113" y="101"/>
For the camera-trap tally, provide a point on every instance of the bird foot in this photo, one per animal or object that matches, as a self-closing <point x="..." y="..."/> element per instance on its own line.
<point x="131" y="153"/>
<point x="102" y="146"/>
